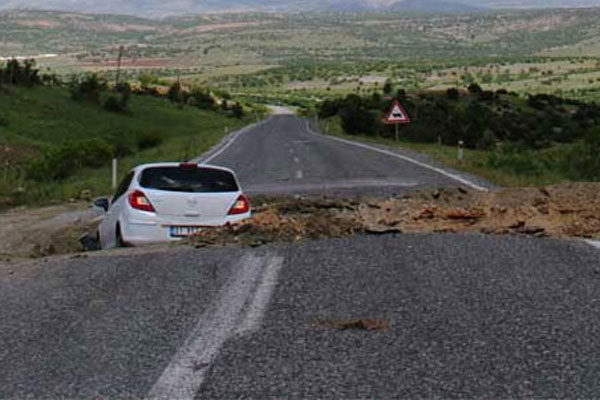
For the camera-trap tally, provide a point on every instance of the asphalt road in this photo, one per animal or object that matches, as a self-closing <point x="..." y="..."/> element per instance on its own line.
<point x="457" y="316"/>
<point x="463" y="317"/>
<point x="285" y="156"/>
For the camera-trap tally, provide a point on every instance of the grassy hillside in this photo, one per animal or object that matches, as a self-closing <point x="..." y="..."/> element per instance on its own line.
<point x="35" y="122"/>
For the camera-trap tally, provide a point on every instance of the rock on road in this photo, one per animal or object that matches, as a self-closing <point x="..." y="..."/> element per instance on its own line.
<point x="457" y="316"/>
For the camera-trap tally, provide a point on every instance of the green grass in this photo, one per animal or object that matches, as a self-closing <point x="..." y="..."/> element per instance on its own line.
<point x="35" y="119"/>
<point x="474" y="161"/>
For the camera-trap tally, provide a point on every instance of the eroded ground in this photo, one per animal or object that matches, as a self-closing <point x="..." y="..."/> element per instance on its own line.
<point x="569" y="210"/>
<point x="34" y="233"/>
<point x="563" y="211"/>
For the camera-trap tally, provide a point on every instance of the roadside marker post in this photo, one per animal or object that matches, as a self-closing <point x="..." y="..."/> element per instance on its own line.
<point x="397" y="116"/>
<point x="461" y="150"/>
<point x="114" y="173"/>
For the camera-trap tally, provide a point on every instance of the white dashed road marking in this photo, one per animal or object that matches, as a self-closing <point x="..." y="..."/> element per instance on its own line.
<point x="258" y="307"/>
<point x="185" y="374"/>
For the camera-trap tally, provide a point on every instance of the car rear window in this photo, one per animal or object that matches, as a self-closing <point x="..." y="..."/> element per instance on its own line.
<point x="192" y="180"/>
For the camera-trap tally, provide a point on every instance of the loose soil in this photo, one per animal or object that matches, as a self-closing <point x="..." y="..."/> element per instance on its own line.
<point x="562" y="211"/>
<point x="569" y="210"/>
<point x="35" y="233"/>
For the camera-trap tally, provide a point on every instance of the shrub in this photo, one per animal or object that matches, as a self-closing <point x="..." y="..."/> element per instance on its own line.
<point x="202" y="99"/>
<point x="452" y="94"/>
<point x="123" y="144"/>
<point x="148" y="140"/>
<point x="89" y="88"/>
<point x="329" y="108"/>
<point x="388" y="87"/>
<point x="175" y="93"/>
<point x="584" y="159"/>
<point x="238" y="111"/>
<point x="59" y="162"/>
<point x="356" y="117"/>
<point x="112" y="103"/>
<point x="474" y="88"/>
<point x="514" y="160"/>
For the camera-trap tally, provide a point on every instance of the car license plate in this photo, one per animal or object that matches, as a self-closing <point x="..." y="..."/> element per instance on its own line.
<point x="184" y="231"/>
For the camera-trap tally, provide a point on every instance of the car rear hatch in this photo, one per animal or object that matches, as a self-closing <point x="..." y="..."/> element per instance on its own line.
<point x="202" y="194"/>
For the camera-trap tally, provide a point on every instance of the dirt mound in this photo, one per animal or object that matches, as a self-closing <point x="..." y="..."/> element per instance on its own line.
<point x="569" y="210"/>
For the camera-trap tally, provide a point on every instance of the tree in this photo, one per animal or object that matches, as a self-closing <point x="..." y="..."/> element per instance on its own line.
<point x="238" y="110"/>
<point x="388" y="88"/>
<point x="474" y="88"/>
<point x="202" y="99"/>
<point x="452" y="94"/>
<point x="356" y="117"/>
<point x="88" y="89"/>
<point x="175" y="93"/>
<point x="15" y="73"/>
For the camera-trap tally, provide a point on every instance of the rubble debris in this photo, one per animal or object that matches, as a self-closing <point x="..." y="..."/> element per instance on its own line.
<point x="562" y="211"/>
<point x="568" y="210"/>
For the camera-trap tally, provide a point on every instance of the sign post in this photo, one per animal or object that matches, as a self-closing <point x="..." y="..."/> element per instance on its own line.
<point x="397" y="116"/>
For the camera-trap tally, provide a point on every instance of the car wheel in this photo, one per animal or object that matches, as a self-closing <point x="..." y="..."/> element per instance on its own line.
<point x="119" y="238"/>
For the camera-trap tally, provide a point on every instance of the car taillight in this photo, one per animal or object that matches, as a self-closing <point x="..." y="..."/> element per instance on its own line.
<point x="241" y="206"/>
<point x="188" y="166"/>
<point x="139" y="201"/>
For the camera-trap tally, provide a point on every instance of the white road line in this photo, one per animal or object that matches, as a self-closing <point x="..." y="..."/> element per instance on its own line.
<point x="222" y="149"/>
<point x="229" y="143"/>
<point x="264" y="292"/>
<point x="594" y="243"/>
<point x="405" y="158"/>
<point x="299" y="175"/>
<point x="184" y="375"/>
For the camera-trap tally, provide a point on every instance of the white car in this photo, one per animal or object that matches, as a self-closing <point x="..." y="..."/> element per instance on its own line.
<point x="169" y="201"/>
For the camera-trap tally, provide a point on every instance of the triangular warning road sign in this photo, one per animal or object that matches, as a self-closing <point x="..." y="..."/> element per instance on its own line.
<point x="397" y="115"/>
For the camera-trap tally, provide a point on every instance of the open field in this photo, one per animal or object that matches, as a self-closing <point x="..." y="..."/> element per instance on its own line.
<point x="304" y="55"/>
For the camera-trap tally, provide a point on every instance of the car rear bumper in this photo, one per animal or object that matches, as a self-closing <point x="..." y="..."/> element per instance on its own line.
<point x="138" y="230"/>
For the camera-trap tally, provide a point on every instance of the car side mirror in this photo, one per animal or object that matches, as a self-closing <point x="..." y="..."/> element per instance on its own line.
<point x="102" y="203"/>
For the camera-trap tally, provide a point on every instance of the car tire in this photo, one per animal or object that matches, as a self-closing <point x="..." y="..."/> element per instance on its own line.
<point x="119" y="242"/>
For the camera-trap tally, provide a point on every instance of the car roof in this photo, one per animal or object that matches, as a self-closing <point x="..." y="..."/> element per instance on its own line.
<point x="177" y="164"/>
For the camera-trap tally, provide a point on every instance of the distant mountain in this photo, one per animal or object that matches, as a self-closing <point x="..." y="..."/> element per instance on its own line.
<point x="182" y="7"/>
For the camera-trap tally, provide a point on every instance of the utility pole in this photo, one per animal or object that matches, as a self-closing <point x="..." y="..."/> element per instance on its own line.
<point x="118" y="78"/>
